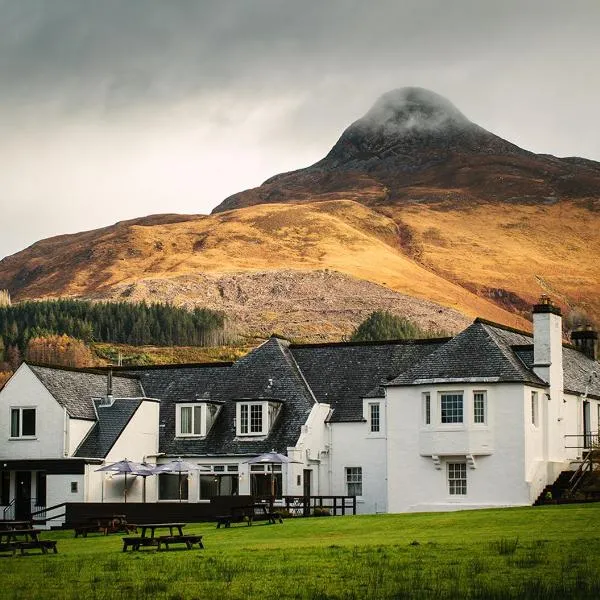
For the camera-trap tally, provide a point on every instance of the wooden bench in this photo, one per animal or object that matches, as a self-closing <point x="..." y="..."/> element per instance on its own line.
<point x="136" y="541"/>
<point x="188" y="540"/>
<point x="237" y="517"/>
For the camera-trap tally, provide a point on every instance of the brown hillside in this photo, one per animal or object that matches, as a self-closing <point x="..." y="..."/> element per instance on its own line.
<point x="341" y="236"/>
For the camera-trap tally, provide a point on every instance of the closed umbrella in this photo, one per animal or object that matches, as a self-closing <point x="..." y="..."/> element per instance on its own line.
<point x="271" y="458"/>
<point x="179" y="467"/>
<point x="128" y="467"/>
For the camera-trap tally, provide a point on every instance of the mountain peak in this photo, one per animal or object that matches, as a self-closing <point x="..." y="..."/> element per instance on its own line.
<point x="414" y="108"/>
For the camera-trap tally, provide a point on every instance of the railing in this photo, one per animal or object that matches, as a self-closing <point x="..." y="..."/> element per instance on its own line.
<point x="9" y="511"/>
<point x="583" y="441"/>
<point x="42" y="513"/>
<point x="304" y="506"/>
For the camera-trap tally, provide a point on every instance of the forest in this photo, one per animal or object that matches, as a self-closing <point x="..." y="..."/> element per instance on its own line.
<point x="117" y="322"/>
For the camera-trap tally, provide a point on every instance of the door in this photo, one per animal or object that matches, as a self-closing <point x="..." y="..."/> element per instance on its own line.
<point x="587" y="425"/>
<point x="23" y="495"/>
<point x="307" y="475"/>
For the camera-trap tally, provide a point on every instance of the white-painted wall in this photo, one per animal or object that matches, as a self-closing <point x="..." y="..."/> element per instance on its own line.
<point x="311" y="453"/>
<point x="418" y="482"/>
<point x="354" y="445"/>
<point x="77" y="431"/>
<point x="25" y="390"/>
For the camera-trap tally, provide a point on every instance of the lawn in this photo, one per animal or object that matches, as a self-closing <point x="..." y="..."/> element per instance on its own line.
<point x="547" y="552"/>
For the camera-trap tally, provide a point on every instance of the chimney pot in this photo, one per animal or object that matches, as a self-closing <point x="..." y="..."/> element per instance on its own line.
<point x="585" y="341"/>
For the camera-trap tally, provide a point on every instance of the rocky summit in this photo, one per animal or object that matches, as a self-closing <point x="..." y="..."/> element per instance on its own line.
<point x="414" y="145"/>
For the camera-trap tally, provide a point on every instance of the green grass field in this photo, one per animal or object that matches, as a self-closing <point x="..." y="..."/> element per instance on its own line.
<point x="546" y="553"/>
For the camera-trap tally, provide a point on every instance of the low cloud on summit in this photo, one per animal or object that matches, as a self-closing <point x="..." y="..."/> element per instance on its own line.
<point x="122" y="108"/>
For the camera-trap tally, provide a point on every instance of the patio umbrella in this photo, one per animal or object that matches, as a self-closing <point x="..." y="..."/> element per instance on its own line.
<point x="128" y="467"/>
<point x="178" y="466"/>
<point x="271" y="458"/>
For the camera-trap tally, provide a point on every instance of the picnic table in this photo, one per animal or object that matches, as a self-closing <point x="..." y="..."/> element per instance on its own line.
<point x="246" y="513"/>
<point x="148" y="537"/>
<point x="24" y="539"/>
<point x="103" y="524"/>
<point x="15" y="525"/>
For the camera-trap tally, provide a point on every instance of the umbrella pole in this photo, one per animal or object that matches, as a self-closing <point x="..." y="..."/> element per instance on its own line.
<point x="125" y="487"/>
<point x="179" y="475"/>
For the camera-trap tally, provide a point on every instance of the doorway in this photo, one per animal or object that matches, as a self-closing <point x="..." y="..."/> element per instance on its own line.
<point x="23" y="495"/>
<point x="587" y="426"/>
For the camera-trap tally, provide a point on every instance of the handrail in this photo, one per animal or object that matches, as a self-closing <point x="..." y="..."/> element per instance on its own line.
<point x="589" y="440"/>
<point x="9" y="505"/>
<point x="46" y="509"/>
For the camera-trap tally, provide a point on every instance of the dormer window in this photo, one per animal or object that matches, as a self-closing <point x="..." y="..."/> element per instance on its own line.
<point x="256" y="417"/>
<point x="194" y="419"/>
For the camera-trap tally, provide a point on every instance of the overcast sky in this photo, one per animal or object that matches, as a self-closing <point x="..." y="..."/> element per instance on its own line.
<point x="115" y="109"/>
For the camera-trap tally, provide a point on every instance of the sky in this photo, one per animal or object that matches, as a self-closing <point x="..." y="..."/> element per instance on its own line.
<point x="118" y="109"/>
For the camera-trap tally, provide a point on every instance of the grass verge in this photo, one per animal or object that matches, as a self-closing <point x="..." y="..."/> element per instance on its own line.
<point x="547" y="552"/>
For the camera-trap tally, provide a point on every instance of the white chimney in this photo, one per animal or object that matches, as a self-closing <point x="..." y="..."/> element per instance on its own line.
<point x="548" y="366"/>
<point x="547" y="338"/>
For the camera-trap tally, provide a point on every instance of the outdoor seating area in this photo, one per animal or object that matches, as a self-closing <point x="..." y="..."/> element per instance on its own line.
<point x="104" y="525"/>
<point x="148" y="537"/>
<point x="245" y="509"/>
<point x="19" y="535"/>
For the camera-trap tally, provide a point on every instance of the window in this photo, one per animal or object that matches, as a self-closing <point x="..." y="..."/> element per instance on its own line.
<point x="190" y="419"/>
<point x="534" y="409"/>
<point x="427" y="408"/>
<point x="74" y="487"/>
<point x="220" y="482"/>
<point x="479" y="407"/>
<point x="172" y="486"/>
<point x="22" y="422"/>
<point x="354" y="481"/>
<point x="457" y="479"/>
<point x="266" y="480"/>
<point x="256" y="418"/>
<point x="374" y="417"/>
<point x="452" y="408"/>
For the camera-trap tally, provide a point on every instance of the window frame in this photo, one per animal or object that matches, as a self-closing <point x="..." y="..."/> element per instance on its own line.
<point x="426" y="402"/>
<point x="374" y="419"/>
<point x="201" y="429"/>
<point x="451" y="417"/>
<point x="535" y="409"/>
<point x="353" y="476"/>
<point x="457" y="485"/>
<point x="483" y="409"/>
<point x="246" y="411"/>
<point x="19" y="424"/>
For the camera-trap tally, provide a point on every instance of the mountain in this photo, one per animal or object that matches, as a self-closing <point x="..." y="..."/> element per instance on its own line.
<point x="415" y="209"/>
<point x="415" y="146"/>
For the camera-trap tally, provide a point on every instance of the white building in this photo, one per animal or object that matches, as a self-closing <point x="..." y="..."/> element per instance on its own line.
<point x="487" y="418"/>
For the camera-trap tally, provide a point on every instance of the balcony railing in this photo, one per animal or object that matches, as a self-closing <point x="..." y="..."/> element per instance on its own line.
<point x="582" y="441"/>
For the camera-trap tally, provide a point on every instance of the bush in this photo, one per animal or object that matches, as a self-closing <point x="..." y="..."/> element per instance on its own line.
<point x="321" y="511"/>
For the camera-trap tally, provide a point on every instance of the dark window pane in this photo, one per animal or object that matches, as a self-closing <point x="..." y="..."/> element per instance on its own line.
<point x="29" y="421"/>
<point x="15" y="430"/>
<point x="5" y="492"/>
<point x="170" y="486"/>
<point x="40" y="494"/>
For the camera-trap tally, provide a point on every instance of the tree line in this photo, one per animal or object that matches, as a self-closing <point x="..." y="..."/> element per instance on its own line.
<point x="137" y="324"/>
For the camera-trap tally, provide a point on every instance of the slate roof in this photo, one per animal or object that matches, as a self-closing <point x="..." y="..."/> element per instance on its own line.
<point x="580" y="373"/>
<point x="268" y="372"/>
<point x="74" y="389"/>
<point x="111" y="422"/>
<point x="482" y="352"/>
<point x="342" y="374"/>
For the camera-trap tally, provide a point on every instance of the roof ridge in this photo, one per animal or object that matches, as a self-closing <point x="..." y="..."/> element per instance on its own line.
<point x="403" y="342"/>
<point x="88" y="370"/>
<point x="502" y="326"/>
<point x="289" y="358"/>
